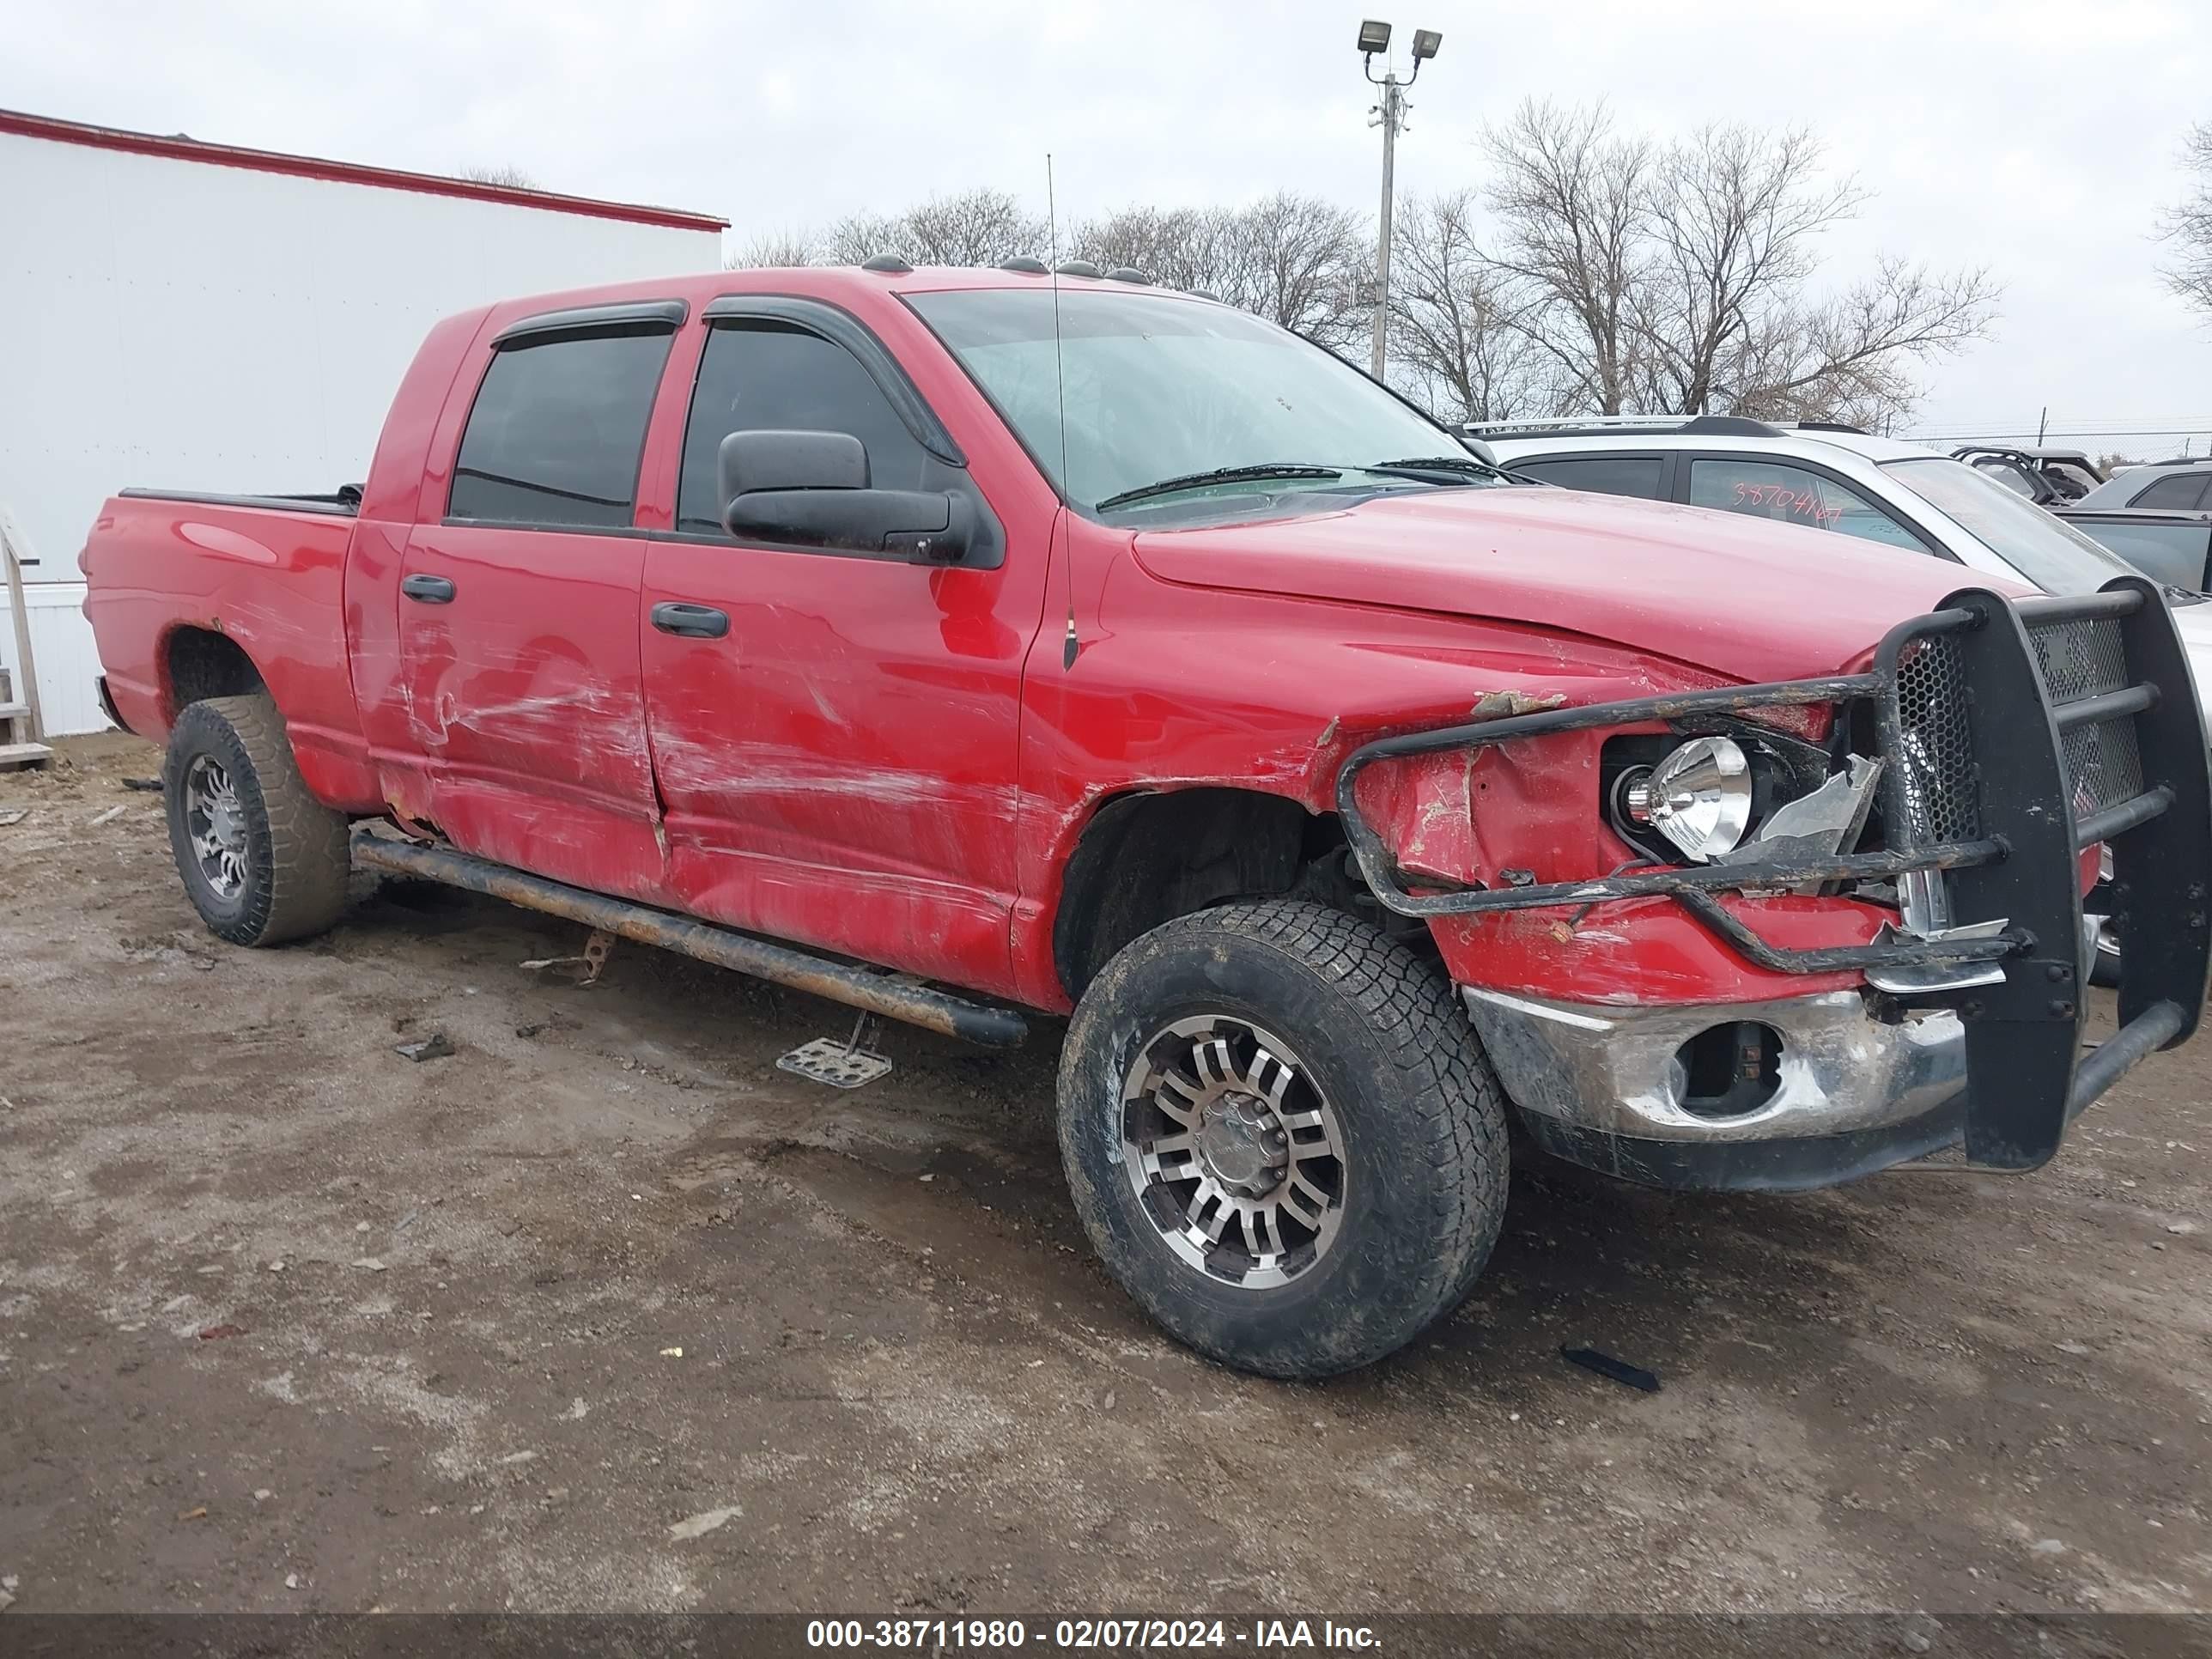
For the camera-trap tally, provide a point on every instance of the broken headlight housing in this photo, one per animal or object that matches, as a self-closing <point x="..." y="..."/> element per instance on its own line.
<point x="1710" y="796"/>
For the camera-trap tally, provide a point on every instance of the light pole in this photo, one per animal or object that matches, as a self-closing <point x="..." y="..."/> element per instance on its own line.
<point x="1389" y="115"/>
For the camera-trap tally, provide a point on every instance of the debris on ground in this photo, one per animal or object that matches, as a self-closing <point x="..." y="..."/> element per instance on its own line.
<point x="15" y="815"/>
<point x="369" y="1264"/>
<point x="151" y="786"/>
<point x="108" y="816"/>
<point x="198" y="1514"/>
<point x="1618" y="1370"/>
<point x="703" y="1522"/>
<point x="671" y="1353"/>
<point x="216" y="1333"/>
<point x="433" y="1046"/>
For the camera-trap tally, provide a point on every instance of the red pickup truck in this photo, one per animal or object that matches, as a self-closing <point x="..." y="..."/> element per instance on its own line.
<point x="960" y="643"/>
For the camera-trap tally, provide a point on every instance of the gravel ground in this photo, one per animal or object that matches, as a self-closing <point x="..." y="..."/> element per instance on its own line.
<point x="604" y="1311"/>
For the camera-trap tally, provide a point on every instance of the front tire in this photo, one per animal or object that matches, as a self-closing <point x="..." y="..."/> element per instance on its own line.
<point x="1282" y="1136"/>
<point x="262" y="860"/>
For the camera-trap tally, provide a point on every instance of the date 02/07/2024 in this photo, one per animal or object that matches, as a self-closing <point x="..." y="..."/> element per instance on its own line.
<point x="1007" y="1635"/>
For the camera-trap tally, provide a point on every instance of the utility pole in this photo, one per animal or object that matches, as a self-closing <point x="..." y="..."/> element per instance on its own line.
<point x="1390" y="116"/>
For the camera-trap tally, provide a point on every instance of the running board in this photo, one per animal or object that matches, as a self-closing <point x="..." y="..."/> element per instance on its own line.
<point x="893" y="995"/>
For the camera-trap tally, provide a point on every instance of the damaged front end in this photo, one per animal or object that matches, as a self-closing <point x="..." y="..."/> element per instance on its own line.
<point x="1964" y="782"/>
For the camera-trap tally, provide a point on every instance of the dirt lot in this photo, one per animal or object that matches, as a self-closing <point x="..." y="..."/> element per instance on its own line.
<point x="288" y="1320"/>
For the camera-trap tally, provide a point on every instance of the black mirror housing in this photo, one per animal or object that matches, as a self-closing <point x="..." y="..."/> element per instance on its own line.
<point x="810" y="489"/>
<point x="750" y="461"/>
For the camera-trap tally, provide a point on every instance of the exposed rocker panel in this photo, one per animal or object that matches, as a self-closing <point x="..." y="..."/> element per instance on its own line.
<point x="860" y="988"/>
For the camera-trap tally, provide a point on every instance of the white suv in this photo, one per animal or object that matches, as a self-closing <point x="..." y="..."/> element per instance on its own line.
<point x="1843" y="481"/>
<point x="1832" y="478"/>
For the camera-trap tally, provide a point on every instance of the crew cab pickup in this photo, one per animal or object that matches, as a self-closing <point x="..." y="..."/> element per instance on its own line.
<point x="967" y="645"/>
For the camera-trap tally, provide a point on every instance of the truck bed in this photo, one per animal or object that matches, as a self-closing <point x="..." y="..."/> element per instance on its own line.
<point x="175" y="579"/>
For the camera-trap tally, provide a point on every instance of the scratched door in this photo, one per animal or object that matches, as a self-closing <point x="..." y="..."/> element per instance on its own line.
<point x="837" y="746"/>
<point x="523" y="696"/>
<point x="518" y="618"/>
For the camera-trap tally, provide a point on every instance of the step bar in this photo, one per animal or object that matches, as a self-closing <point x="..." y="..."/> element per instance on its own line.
<point x="895" y="996"/>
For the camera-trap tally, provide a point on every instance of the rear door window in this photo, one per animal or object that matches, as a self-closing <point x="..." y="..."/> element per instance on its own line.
<point x="557" y="429"/>
<point x="1794" y="495"/>
<point x="2183" y="492"/>
<point x="1609" y="474"/>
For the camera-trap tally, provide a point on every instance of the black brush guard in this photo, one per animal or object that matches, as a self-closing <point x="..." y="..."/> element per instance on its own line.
<point x="1994" y="717"/>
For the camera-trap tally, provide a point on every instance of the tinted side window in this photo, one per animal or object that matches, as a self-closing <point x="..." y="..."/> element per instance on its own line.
<point x="2172" y="553"/>
<point x="557" y="429"/>
<point x="763" y="376"/>
<point x="2181" y="492"/>
<point x="1791" y="494"/>
<point x="1611" y="475"/>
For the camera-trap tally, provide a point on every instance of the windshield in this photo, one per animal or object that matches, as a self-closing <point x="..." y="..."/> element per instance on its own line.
<point x="2054" y="556"/>
<point x="1161" y="389"/>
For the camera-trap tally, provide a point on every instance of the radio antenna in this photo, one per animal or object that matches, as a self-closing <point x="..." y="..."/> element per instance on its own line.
<point x="1060" y="383"/>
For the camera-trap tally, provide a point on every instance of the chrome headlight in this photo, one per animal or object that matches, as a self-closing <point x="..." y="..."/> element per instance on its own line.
<point x="1699" y="796"/>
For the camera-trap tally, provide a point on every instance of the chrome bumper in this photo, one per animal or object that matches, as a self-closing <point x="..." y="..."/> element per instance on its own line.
<point x="1614" y="1071"/>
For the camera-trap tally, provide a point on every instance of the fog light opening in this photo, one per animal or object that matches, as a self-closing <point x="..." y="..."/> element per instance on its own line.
<point x="1729" y="1070"/>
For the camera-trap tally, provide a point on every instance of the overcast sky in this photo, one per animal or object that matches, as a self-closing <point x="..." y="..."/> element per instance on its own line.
<point x="2036" y="139"/>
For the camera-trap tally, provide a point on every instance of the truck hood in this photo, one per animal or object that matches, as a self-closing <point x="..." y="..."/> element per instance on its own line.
<point x="1743" y="598"/>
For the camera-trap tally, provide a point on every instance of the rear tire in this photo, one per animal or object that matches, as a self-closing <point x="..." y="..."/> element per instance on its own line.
<point x="262" y="860"/>
<point x="1321" y="1080"/>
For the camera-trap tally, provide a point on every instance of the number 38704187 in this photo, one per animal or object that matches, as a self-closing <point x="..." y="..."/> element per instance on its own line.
<point x="1798" y="503"/>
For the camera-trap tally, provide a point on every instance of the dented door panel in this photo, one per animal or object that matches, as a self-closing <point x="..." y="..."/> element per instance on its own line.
<point x="522" y="694"/>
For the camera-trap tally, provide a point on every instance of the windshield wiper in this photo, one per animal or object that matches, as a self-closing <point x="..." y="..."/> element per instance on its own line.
<point x="1218" y="475"/>
<point x="1438" y="464"/>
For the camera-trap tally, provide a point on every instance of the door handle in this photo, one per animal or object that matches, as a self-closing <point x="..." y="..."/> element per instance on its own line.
<point x="430" y="590"/>
<point x="694" y="621"/>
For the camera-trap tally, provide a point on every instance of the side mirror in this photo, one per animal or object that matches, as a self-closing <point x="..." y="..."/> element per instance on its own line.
<point x="811" y="490"/>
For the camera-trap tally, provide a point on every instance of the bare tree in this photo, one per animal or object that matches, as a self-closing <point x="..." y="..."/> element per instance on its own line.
<point x="861" y="236"/>
<point x="1300" y="262"/>
<point x="1722" y="316"/>
<point x="2188" y="229"/>
<point x="775" y="249"/>
<point x="1731" y="219"/>
<point x="507" y="178"/>
<point x="1850" y="358"/>
<point x="1294" y="259"/>
<point x="1459" y="345"/>
<point x="976" y="228"/>
<point x="1571" y="201"/>
<point x="1181" y="247"/>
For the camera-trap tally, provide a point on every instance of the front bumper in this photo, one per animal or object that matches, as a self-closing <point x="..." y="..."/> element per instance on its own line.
<point x="1606" y="1087"/>
<point x="2014" y="736"/>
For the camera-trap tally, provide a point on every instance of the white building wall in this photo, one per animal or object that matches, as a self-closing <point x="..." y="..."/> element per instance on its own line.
<point x="61" y="644"/>
<point x="179" y="325"/>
